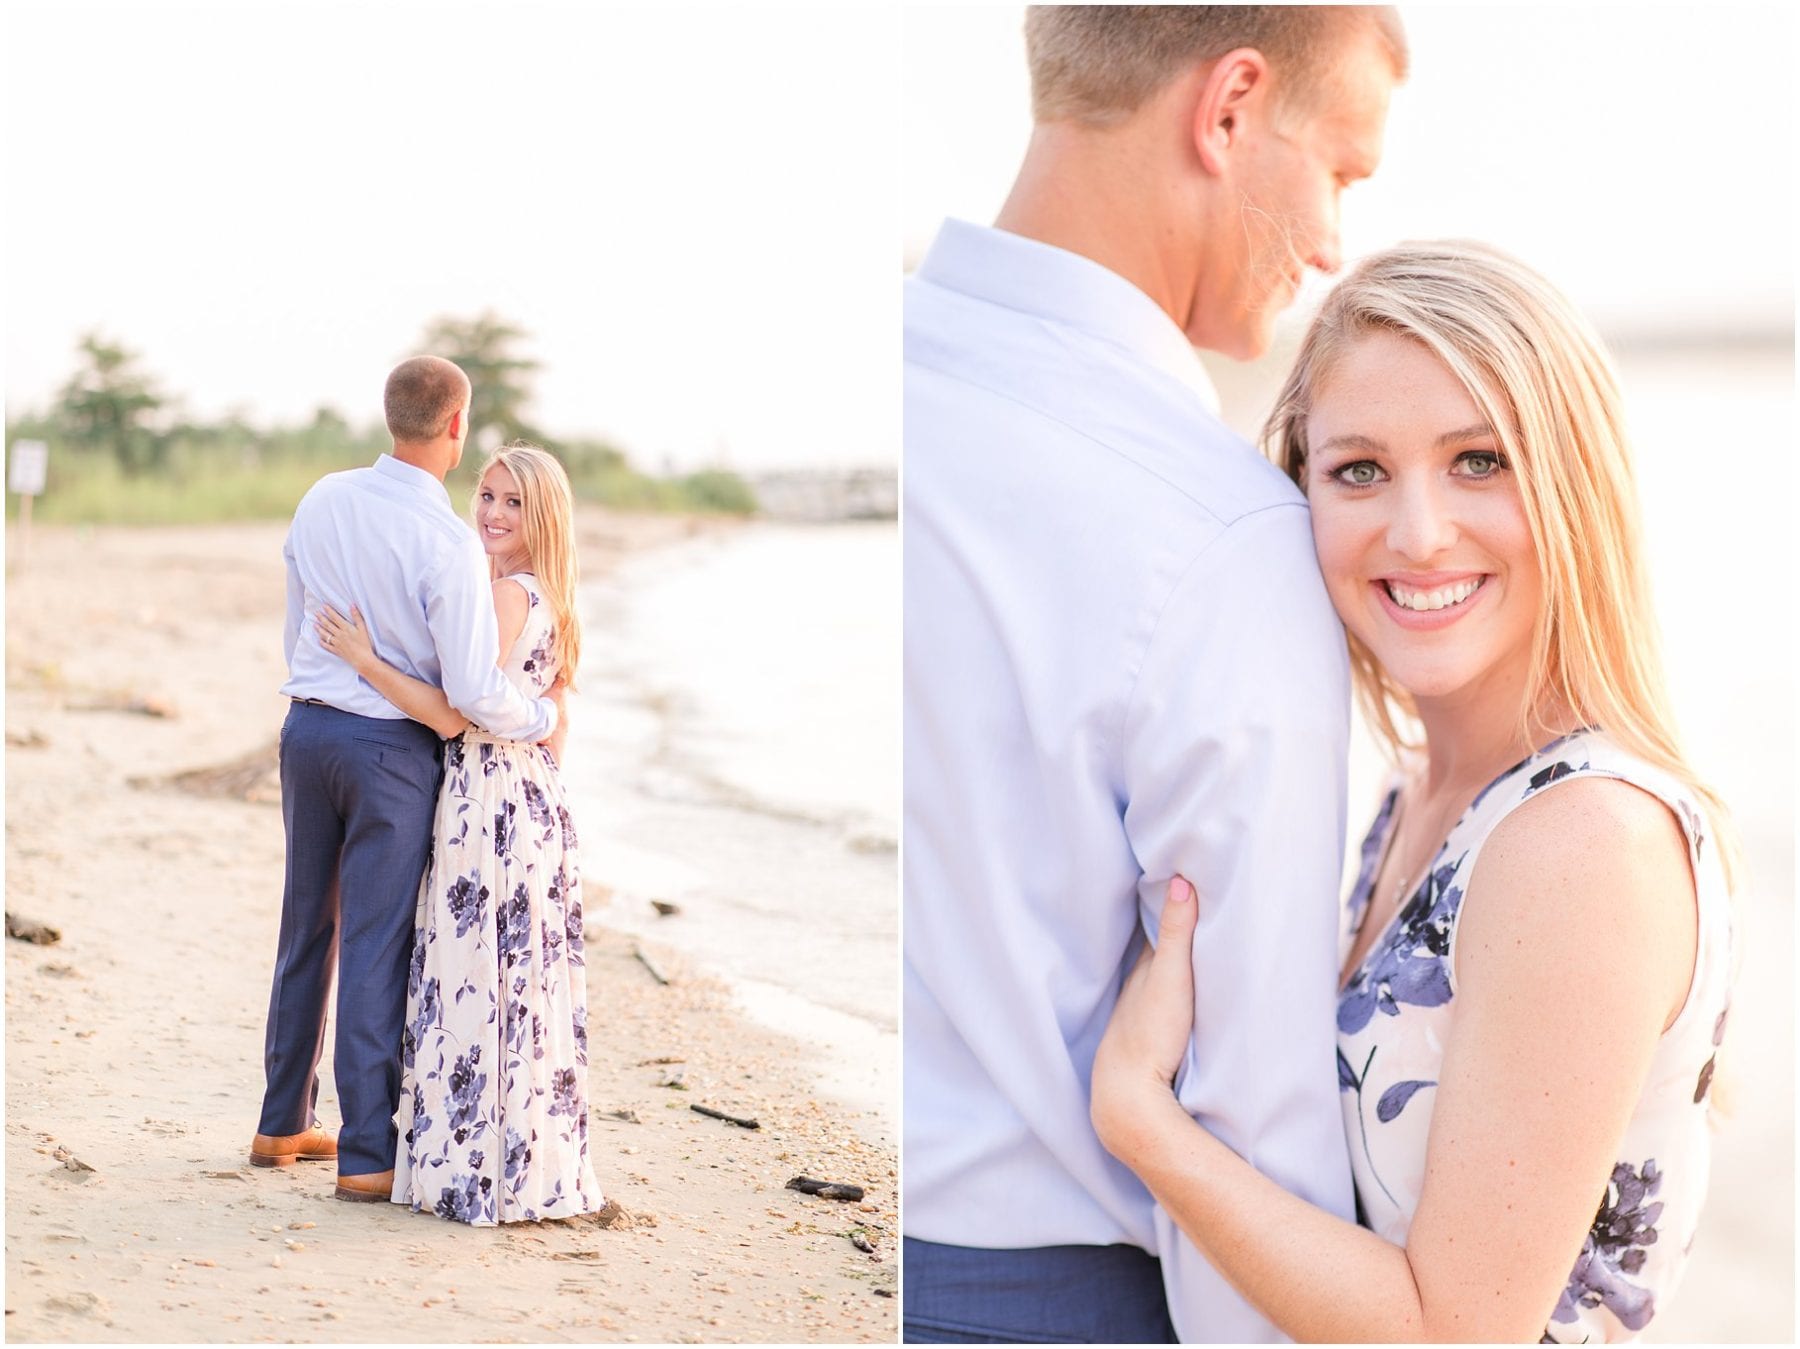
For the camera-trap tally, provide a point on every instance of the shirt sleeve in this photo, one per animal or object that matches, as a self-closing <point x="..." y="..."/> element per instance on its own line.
<point x="1234" y="748"/>
<point x="459" y="610"/>
<point x="296" y="603"/>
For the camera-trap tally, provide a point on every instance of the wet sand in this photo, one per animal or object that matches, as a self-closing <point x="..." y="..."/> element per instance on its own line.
<point x="134" y="1044"/>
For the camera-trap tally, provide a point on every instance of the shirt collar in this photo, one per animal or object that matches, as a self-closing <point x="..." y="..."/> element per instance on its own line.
<point x="1063" y="287"/>
<point x="411" y="475"/>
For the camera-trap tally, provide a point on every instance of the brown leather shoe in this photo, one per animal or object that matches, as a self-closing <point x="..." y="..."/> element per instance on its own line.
<point x="315" y="1145"/>
<point x="374" y="1188"/>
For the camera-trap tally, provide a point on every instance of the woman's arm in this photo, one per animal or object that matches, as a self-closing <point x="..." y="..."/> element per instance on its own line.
<point x="421" y="701"/>
<point x="1576" y="949"/>
<point x="348" y="639"/>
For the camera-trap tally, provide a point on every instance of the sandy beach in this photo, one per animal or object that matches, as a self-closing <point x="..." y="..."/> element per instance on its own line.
<point x="141" y="708"/>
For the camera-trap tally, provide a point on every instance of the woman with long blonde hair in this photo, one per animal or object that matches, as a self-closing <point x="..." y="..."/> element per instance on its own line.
<point x="493" y="1093"/>
<point x="1536" y="955"/>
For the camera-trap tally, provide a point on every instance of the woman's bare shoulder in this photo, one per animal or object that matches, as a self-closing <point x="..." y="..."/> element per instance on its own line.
<point x="1591" y="868"/>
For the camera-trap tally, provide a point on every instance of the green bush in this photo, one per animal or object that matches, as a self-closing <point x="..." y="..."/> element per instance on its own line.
<point x="214" y="474"/>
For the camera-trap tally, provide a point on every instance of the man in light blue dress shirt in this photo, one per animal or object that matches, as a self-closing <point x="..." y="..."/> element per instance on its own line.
<point x="1120" y="663"/>
<point x="359" y="780"/>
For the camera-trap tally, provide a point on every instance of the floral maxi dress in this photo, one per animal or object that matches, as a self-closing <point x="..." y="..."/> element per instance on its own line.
<point x="493" y="1117"/>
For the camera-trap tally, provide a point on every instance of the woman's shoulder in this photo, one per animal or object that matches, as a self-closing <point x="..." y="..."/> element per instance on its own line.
<point x="1596" y="856"/>
<point x="1598" y="793"/>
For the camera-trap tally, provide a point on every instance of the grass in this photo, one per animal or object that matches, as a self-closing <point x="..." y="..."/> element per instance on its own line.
<point x="212" y="486"/>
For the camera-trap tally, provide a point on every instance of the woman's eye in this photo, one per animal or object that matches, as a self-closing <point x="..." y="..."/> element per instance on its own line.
<point x="1482" y="463"/>
<point x="1362" y="473"/>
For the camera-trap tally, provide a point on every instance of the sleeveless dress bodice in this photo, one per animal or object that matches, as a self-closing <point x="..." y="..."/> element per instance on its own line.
<point x="1398" y="1011"/>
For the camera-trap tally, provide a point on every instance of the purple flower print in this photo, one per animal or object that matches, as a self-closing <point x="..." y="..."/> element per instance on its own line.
<point x="467" y="899"/>
<point x="1624" y="1229"/>
<point x="1394" y="1099"/>
<point x="427" y="1015"/>
<point x="577" y="938"/>
<point x="1706" y="1070"/>
<point x="464" y="1200"/>
<point x="465" y="1087"/>
<point x="1408" y="965"/>
<point x="518" y="1153"/>
<point x="415" y="970"/>
<point x="514" y="919"/>
<point x="1370" y="859"/>
<point x="536" y="805"/>
<point x="565" y="1093"/>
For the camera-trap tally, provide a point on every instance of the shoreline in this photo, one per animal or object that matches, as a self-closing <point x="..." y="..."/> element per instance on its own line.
<point x="135" y="656"/>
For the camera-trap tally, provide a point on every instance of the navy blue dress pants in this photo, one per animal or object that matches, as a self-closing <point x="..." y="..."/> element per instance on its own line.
<point x="1043" y="1295"/>
<point x="357" y="799"/>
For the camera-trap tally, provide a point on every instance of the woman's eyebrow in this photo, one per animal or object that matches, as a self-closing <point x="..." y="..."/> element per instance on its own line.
<point x="1465" y="433"/>
<point x="1350" y="440"/>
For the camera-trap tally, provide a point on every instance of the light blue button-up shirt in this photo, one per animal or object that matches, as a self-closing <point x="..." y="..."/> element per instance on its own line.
<point x="1120" y="664"/>
<point x="385" y="539"/>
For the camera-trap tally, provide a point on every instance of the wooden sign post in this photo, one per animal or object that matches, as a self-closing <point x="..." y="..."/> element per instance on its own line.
<point x="26" y="477"/>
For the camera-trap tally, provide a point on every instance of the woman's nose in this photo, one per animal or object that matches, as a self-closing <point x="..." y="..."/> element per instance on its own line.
<point x="1422" y="526"/>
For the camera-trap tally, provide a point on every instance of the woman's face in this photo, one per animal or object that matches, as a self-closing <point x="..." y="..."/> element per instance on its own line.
<point x="1418" y="523"/>
<point x="499" y="519"/>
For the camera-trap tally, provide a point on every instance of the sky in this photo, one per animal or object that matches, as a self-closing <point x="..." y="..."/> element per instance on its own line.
<point x="1641" y="157"/>
<point x="692" y="211"/>
<point x="695" y="211"/>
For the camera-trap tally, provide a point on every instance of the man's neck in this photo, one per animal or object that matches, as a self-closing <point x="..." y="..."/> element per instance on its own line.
<point x="434" y="459"/>
<point x="1093" y="193"/>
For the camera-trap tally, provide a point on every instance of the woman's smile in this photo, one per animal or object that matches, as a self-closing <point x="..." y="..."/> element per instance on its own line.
<point x="1426" y="602"/>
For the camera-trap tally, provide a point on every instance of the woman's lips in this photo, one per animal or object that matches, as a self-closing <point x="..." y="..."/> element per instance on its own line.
<point x="1436" y="590"/>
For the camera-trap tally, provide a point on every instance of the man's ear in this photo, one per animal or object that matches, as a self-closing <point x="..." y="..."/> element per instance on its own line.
<point x="455" y="429"/>
<point x="1235" y="90"/>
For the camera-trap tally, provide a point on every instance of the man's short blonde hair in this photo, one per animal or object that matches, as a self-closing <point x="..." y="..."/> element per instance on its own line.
<point x="421" y="394"/>
<point x="1098" y="64"/>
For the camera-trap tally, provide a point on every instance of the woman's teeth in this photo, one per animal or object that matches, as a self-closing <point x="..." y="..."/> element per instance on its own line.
<point x="1423" y="601"/>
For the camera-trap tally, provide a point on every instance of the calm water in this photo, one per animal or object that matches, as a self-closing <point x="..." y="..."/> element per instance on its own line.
<point x="735" y="751"/>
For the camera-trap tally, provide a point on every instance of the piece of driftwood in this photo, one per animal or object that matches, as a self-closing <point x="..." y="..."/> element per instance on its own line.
<point x="827" y="1189"/>
<point x="664" y="907"/>
<point x="29" y="929"/>
<point x="254" y="777"/>
<point x="124" y="701"/>
<point x="884" y="1292"/>
<point x="860" y="1240"/>
<point x="650" y="965"/>
<point x="738" y="1120"/>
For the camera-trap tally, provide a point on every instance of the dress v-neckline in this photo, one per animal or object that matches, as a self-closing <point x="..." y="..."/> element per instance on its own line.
<point x="1346" y="979"/>
<point x="1391" y="809"/>
<point x="1349" y="977"/>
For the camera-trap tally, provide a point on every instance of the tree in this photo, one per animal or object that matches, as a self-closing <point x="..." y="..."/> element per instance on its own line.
<point x="109" y="405"/>
<point x="499" y="377"/>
